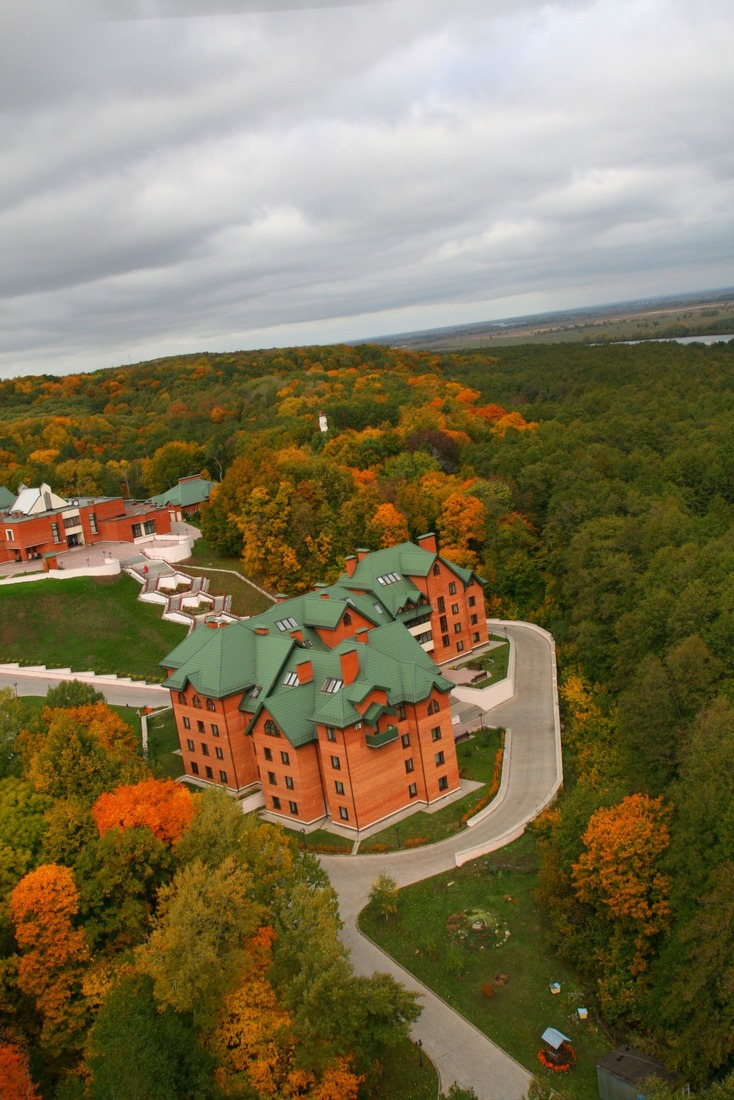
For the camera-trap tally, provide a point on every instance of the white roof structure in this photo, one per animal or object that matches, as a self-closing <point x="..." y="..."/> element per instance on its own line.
<point x="30" y="502"/>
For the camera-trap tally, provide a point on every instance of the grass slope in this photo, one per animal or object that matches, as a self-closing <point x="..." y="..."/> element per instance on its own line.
<point x="85" y="623"/>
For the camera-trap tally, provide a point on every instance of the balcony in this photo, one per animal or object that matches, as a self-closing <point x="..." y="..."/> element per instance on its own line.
<point x="377" y="740"/>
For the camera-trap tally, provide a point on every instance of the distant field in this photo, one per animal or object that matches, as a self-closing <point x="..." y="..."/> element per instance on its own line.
<point x="85" y="623"/>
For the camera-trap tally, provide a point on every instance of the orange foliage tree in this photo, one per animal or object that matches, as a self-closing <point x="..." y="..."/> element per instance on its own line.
<point x="164" y="807"/>
<point x="15" y="1079"/>
<point x="619" y="874"/>
<point x="53" y="953"/>
<point x="389" y="525"/>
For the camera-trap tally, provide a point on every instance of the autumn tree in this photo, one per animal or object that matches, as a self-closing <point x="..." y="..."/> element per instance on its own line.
<point x="15" y="1078"/>
<point x="389" y="526"/>
<point x="164" y="807"/>
<point x="170" y="462"/>
<point x="10" y="725"/>
<point x="53" y="954"/>
<point x="197" y="945"/>
<point x="384" y="895"/>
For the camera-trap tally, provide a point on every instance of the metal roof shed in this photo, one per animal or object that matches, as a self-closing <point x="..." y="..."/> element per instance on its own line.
<point x="619" y="1072"/>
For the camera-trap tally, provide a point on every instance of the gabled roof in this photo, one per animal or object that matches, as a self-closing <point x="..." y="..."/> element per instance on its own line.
<point x="190" y="490"/>
<point x="375" y="571"/>
<point x="37" y="500"/>
<point x="6" y="498"/>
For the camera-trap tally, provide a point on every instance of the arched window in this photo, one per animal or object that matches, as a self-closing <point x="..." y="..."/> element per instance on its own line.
<point x="433" y="707"/>
<point x="436" y="570"/>
<point x="210" y="704"/>
<point x="347" y="620"/>
<point x="271" y="729"/>
<point x="182" y="697"/>
<point x="196" y="701"/>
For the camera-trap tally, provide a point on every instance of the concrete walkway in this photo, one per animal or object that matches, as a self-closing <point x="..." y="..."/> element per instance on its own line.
<point x="461" y="1052"/>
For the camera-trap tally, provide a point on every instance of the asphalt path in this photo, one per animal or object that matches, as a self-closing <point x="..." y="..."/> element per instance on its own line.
<point x="118" y="692"/>
<point x="531" y="778"/>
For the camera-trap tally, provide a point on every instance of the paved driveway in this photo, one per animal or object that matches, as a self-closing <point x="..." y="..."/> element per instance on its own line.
<point x="460" y="1051"/>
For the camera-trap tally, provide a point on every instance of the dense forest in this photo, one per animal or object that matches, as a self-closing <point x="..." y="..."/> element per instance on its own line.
<point x="593" y="489"/>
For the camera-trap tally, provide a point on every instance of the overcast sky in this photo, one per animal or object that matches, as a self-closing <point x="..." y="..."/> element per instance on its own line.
<point x="286" y="172"/>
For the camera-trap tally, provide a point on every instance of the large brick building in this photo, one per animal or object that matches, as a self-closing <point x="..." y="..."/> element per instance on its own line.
<point x="37" y="521"/>
<point x="331" y="700"/>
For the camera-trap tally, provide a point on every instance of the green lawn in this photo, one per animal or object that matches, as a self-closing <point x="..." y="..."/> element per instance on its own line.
<point x="246" y="600"/>
<point x="403" y="1077"/>
<point x="494" y="663"/>
<point x="163" y="756"/>
<point x="432" y="937"/>
<point x="85" y="623"/>
<point x="477" y="758"/>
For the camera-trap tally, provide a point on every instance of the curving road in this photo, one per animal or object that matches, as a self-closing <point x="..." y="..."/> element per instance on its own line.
<point x="531" y="778"/>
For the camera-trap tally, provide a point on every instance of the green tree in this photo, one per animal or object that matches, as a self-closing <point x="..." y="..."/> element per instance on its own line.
<point x="73" y="693"/>
<point x="10" y="726"/>
<point x="384" y="895"/>
<point x="139" y="1051"/>
<point x="22" y="825"/>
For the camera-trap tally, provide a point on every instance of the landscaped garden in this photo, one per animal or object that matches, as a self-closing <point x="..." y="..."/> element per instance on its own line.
<point x="493" y="663"/>
<point x="476" y="936"/>
<point x="99" y="624"/>
<point x="246" y="600"/>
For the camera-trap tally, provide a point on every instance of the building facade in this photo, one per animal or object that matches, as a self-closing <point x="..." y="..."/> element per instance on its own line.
<point x="332" y="701"/>
<point x="38" y="521"/>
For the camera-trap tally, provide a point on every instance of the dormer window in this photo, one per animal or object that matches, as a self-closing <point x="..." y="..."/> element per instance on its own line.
<point x="332" y="685"/>
<point x="286" y="624"/>
<point x="196" y="702"/>
<point x="271" y="729"/>
<point x="347" y="619"/>
<point x="388" y="578"/>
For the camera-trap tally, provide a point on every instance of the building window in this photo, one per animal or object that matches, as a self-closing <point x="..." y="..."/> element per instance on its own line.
<point x="452" y="588"/>
<point x="405" y="740"/>
<point x="272" y="779"/>
<point x="276" y="802"/>
<point x="433" y="707"/>
<point x="459" y="647"/>
<point x="343" y="813"/>
<point x="93" y="523"/>
<point x="441" y="604"/>
<point x="210" y="704"/>
<point x="473" y="620"/>
<point x="289" y="782"/>
<point x="332" y="685"/>
<point x="457" y="628"/>
<point x="286" y="624"/>
<point x="347" y="619"/>
<point x="291" y="679"/>
<point x="204" y="749"/>
<point x="443" y="623"/>
<point x="436" y="733"/>
<point x="9" y="535"/>
<point x="200" y="727"/>
<point x="72" y="521"/>
<point x="267" y="753"/>
<point x="388" y="578"/>
<point x="137" y="530"/>
<point x="215" y="729"/>
<point x="454" y="609"/>
<point x="218" y="753"/>
<point x="181" y="697"/>
<point x="190" y="745"/>
<point x="330" y="733"/>
<point x="223" y="777"/>
<point x="149" y="527"/>
<point x="472" y="601"/>
<point x="271" y="729"/>
<point x="443" y="783"/>
<point x="409" y="765"/>
<point x="55" y="532"/>
<point x="285" y="758"/>
<point x="194" y="767"/>
<point x="196" y="702"/>
<point x="358" y="725"/>
<point x="445" y="640"/>
<point x="475" y="636"/>
<point x="186" y="722"/>
<point x="412" y="790"/>
<point x="339" y="786"/>
<point x="293" y="807"/>
<point x="439" y="758"/>
<point x="209" y="773"/>
<point x="437" y="570"/>
<point x="401" y="712"/>
<point x="336" y="763"/>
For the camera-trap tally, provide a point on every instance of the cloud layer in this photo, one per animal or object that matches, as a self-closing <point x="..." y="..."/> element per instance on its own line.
<point x="292" y="173"/>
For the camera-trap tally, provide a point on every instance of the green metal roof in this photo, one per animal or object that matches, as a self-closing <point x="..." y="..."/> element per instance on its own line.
<point x="6" y="497"/>
<point x="194" y="490"/>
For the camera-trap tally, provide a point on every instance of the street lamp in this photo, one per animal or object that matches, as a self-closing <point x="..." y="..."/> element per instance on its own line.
<point x="397" y="834"/>
<point x="303" y="834"/>
<point x="419" y="1044"/>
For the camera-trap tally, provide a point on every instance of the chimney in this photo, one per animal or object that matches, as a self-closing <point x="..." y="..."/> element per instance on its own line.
<point x="280" y="598"/>
<point x="350" y="666"/>
<point x="363" y="635"/>
<point x="350" y="563"/>
<point x="362" y="553"/>
<point x="297" y="634"/>
<point x="428" y="542"/>
<point x="323" y="595"/>
<point x="305" y="672"/>
<point x="261" y="630"/>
